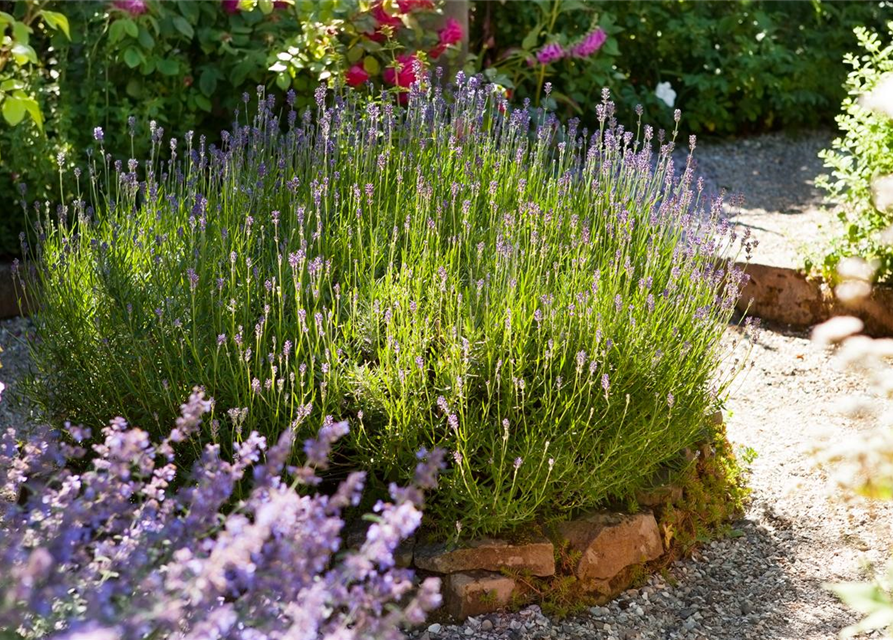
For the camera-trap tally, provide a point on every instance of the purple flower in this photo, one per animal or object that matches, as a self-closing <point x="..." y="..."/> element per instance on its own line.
<point x="133" y="7"/>
<point x="98" y="135"/>
<point x="552" y="52"/>
<point x="591" y="43"/>
<point x="121" y="553"/>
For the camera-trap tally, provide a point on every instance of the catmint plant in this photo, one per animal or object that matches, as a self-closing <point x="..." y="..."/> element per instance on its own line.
<point x="455" y="274"/>
<point x="126" y="549"/>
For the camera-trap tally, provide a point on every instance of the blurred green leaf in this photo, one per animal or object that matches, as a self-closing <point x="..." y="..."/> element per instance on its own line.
<point x="182" y="25"/>
<point x="56" y="20"/>
<point x="13" y="110"/>
<point x="133" y="57"/>
<point x="207" y="82"/>
<point x="145" y="39"/>
<point x="167" y="67"/>
<point x="116" y="31"/>
<point x="532" y="37"/>
<point x="23" y="54"/>
<point x="130" y="27"/>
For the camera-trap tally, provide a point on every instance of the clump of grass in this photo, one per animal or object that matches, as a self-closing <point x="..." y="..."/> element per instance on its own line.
<point x="544" y="302"/>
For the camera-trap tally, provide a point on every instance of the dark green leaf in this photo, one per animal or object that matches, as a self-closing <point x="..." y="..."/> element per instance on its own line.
<point x="182" y="25"/>
<point x="203" y="103"/>
<point x="167" y="67"/>
<point x="207" y="82"/>
<point x="116" y="32"/>
<point x="132" y="57"/>
<point x="190" y="11"/>
<point x="145" y="38"/>
<point x="130" y="27"/>
<point x="532" y="37"/>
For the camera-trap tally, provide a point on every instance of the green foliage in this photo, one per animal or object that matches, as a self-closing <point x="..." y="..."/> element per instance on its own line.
<point x="550" y="312"/>
<point x="17" y="55"/>
<point x="863" y="153"/>
<point x="715" y="493"/>
<point x="735" y="66"/>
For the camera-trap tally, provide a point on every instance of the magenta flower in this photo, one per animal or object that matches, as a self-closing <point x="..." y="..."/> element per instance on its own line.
<point x="589" y="44"/>
<point x="230" y="6"/>
<point x="550" y="53"/>
<point x="451" y="33"/>
<point x="133" y="7"/>
<point x="356" y="76"/>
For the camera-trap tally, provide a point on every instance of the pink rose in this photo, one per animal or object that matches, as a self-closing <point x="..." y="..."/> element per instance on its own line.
<point x="451" y="32"/>
<point x="133" y="7"/>
<point x="356" y="76"/>
<point x="404" y="74"/>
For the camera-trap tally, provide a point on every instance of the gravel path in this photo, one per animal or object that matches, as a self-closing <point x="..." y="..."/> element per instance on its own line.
<point x="766" y="583"/>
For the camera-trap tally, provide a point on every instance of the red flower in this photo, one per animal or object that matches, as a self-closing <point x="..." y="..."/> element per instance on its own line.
<point x="404" y="75"/>
<point x="383" y="19"/>
<point x="451" y="33"/>
<point x="406" y="6"/>
<point x="230" y="6"/>
<point x="437" y="51"/>
<point x="356" y="76"/>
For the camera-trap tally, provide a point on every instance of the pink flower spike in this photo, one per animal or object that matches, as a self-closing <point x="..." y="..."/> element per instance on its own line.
<point x="552" y="52"/>
<point x="590" y="44"/>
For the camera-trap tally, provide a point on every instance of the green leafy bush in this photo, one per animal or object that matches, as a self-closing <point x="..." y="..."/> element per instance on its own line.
<point x="549" y="312"/>
<point x="856" y="159"/>
<point x="734" y="66"/>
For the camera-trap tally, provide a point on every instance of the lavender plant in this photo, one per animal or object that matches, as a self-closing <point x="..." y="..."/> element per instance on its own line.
<point x="113" y="552"/>
<point x="544" y="303"/>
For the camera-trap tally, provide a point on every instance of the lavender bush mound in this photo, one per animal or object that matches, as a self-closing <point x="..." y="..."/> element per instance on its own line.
<point x="544" y="303"/>
<point x="113" y="553"/>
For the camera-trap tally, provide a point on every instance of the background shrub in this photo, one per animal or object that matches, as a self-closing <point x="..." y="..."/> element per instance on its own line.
<point x="736" y="67"/>
<point x="549" y="314"/>
<point x="863" y="153"/>
<point x="115" y="551"/>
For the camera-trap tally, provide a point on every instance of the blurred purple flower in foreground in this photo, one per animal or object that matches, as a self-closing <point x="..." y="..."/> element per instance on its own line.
<point x="114" y="552"/>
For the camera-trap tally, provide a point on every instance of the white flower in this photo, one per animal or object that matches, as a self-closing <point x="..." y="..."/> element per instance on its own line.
<point x="836" y="329"/>
<point x="880" y="99"/>
<point x="664" y="92"/>
<point x="882" y="189"/>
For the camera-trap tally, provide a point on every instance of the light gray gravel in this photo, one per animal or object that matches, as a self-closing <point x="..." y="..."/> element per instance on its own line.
<point x="15" y="361"/>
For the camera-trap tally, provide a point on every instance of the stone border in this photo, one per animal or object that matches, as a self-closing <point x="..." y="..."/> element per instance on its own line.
<point x="786" y="295"/>
<point x="604" y="551"/>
